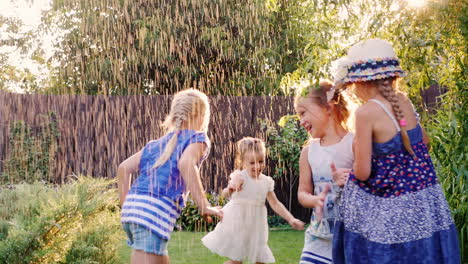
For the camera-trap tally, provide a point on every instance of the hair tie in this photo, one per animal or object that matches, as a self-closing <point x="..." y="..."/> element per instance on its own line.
<point x="403" y="122"/>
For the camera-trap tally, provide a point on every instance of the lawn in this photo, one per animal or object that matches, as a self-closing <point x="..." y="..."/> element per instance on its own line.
<point x="186" y="247"/>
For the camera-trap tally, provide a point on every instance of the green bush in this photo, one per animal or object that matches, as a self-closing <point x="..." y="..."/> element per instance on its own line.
<point x="97" y="243"/>
<point x="285" y="142"/>
<point x="77" y="222"/>
<point x="276" y="221"/>
<point x="191" y="220"/>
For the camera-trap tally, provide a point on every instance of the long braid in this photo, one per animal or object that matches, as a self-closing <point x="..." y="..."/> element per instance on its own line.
<point x="387" y="88"/>
<point x="185" y="106"/>
<point x="170" y="146"/>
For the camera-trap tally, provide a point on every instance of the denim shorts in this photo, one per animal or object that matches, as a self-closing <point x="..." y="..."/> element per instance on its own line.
<point x="141" y="238"/>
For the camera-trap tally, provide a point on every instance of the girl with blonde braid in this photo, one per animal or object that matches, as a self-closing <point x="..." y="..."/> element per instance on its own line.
<point x="166" y="168"/>
<point x="392" y="208"/>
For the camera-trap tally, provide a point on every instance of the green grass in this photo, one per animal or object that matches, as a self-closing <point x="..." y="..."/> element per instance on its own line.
<point x="186" y="247"/>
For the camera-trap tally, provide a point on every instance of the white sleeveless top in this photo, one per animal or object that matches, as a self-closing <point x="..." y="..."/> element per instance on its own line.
<point x="320" y="159"/>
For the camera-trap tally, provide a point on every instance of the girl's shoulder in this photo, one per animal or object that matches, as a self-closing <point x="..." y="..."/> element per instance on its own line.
<point x="151" y="144"/>
<point x="372" y="109"/>
<point x="268" y="181"/>
<point x="368" y="109"/>
<point x="313" y="143"/>
<point x="238" y="174"/>
<point x="185" y="138"/>
<point x="402" y="97"/>
<point x="193" y="136"/>
<point x="348" y="138"/>
<point x="405" y="102"/>
<point x="368" y="113"/>
<point x="313" y="147"/>
<point x="156" y="142"/>
<point x="346" y="144"/>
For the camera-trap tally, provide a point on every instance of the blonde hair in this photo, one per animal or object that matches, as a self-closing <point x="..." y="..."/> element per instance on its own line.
<point x="318" y="94"/>
<point x="388" y="88"/>
<point x="245" y="145"/>
<point x="187" y="106"/>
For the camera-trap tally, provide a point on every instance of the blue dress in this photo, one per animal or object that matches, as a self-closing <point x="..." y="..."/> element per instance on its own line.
<point x="398" y="215"/>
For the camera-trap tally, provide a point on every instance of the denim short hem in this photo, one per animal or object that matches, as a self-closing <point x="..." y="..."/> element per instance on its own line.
<point x="164" y="253"/>
<point x="142" y="238"/>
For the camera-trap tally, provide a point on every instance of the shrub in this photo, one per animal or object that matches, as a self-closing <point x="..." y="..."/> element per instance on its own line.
<point x="72" y="223"/>
<point x="285" y="143"/>
<point x="276" y="221"/>
<point x="191" y="220"/>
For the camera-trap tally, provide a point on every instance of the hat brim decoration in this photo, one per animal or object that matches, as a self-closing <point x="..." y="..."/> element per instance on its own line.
<point x="340" y="68"/>
<point x="372" y="59"/>
<point x="380" y="68"/>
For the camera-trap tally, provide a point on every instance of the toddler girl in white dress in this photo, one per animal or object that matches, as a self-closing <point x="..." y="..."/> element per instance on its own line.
<point x="242" y="235"/>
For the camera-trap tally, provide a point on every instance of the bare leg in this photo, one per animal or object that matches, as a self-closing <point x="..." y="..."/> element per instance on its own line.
<point x="141" y="257"/>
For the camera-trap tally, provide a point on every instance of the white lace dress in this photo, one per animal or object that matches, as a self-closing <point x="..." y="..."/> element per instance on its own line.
<point x="243" y="233"/>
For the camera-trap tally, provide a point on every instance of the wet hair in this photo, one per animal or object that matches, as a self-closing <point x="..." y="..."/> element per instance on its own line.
<point x="245" y="145"/>
<point x="187" y="106"/>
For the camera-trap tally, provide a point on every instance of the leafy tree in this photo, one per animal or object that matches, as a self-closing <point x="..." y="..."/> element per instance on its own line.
<point x="430" y="41"/>
<point x="22" y="43"/>
<point x="159" y="47"/>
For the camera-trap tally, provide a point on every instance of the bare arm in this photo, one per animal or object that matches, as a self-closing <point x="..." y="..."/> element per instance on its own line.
<point x="306" y="186"/>
<point x="126" y="168"/>
<point x="234" y="185"/>
<point x="188" y="166"/>
<point x="363" y="145"/>
<point x="279" y="208"/>
<point x="226" y="193"/>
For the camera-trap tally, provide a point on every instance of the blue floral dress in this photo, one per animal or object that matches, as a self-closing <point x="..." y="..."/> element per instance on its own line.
<point x="398" y="215"/>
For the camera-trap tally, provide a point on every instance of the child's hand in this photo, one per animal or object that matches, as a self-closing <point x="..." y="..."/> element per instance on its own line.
<point x="216" y="211"/>
<point x="297" y="224"/>
<point x="235" y="185"/>
<point x="320" y="203"/>
<point x="340" y="176"/>
<point x="236" y="182"/>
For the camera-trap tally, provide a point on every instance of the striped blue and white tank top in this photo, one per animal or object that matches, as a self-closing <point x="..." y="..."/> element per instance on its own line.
<point x="155" y="199"/>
